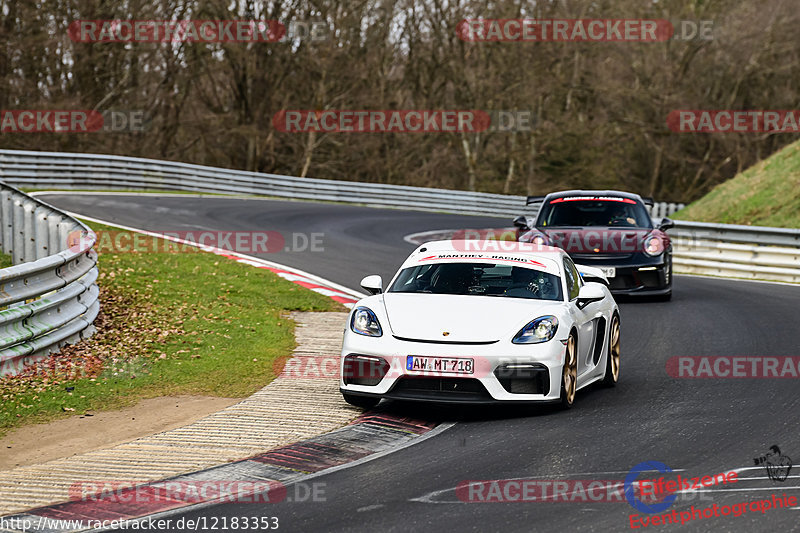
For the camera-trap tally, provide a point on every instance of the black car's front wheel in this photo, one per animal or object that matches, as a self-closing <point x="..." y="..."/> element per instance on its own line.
<point x="668" y="296"/>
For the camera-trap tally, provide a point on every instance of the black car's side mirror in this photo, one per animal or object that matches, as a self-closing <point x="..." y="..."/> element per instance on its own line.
<point x="666" y="223"/>
<point x="521" y="222"/>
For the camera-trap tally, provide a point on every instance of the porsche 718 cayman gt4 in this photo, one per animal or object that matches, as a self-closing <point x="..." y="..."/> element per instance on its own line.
<point x="481" y="322"/>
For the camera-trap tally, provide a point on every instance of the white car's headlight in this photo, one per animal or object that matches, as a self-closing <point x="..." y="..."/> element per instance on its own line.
<point x="364" y="322"/>
<point x="540" y="330"/>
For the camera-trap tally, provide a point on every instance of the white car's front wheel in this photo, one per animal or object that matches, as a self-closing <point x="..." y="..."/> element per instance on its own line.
<point x="569" y="373"/>
<point x="612" y="363"/>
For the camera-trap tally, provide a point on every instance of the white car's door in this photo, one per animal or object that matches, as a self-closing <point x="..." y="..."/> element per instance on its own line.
<point x="584" y="319"/>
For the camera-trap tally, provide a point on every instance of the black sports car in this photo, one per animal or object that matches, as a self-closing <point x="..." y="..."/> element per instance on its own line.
<point x="609" y="230"/>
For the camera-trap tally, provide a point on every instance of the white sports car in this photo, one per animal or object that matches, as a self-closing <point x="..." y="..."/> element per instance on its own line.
<point x="481" y="322"/>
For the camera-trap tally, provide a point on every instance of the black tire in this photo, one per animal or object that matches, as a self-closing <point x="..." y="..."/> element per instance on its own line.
<point x="569" y="374"/>
<point x="612" y="360"/>
<point x="667" y="297"/>
<point x="364" y="402"/>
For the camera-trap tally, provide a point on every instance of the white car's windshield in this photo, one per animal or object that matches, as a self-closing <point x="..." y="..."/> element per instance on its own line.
<point x="482" y="279"/>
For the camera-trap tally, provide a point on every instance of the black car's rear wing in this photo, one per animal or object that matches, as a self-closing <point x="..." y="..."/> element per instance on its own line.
<point x="539" y="199"/>
<point x="534" y="200"/>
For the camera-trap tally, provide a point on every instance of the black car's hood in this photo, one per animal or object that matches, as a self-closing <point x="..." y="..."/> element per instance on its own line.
<point x="598" y="240"/>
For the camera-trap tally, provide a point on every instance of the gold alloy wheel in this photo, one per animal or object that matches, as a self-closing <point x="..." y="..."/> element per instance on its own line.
<point x="613" y="351"/>
<point x="569" y="373"/>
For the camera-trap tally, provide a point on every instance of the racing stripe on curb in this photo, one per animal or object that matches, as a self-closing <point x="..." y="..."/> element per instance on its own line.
<point x="266" y="475"/>
<point x="394" y="422"/>
<point x="334" y="294"/>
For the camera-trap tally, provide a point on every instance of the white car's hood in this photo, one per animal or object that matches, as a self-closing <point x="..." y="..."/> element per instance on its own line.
<point x="464" y="318"/>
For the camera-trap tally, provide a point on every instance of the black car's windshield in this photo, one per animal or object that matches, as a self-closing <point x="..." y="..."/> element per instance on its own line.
<point x="483" y="279"/>
<point x="589" y="211"/>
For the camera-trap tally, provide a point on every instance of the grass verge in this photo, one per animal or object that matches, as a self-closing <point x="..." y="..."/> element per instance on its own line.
<point x="766" y="194"/>
<point x="170" y="324"/>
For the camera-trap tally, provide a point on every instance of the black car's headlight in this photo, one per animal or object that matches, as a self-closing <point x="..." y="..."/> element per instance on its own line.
<point x="364" y="322"/>
<point x="535" y="237"/>
<point x="653" y="245"/>
<point x="540" y="240"/>
<point x="540" y="330"/>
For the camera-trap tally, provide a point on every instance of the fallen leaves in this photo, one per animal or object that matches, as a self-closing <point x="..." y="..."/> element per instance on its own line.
<point x="130" y="327"/>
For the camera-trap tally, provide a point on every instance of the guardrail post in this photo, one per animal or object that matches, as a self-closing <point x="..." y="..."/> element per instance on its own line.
<point x="18" y="229"/>
<point x="29" y="229"/>
<point x="64" y="229"/>
<point x="41" y="236"/>
<point x="7" y="220"/>
<point x="54" y="220"/>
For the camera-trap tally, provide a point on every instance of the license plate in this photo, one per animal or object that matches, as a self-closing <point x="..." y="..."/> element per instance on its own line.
<point x="609" y="272"/>
<point x="440" y="364"/>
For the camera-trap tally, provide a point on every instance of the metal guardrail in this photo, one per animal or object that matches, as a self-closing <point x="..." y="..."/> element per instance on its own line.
<point x="49" y="297"/>
<point x="715" y="249"/>
<point x="92" y="171"/>
<point x="728" y="250"/>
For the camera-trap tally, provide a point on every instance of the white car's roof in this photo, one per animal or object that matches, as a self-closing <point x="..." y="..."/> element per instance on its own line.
<point x="524" y="254"/>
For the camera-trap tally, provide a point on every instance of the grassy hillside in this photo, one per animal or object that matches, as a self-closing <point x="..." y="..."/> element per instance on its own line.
<point x="766" y="194"/>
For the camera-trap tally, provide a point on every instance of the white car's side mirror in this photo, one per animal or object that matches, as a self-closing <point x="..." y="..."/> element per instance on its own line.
<point x="590" y="292"/>
<point x="372" y="284"/>
<point x="592" y="274"/>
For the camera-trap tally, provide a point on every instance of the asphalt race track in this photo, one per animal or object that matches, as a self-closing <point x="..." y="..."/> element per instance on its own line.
<point x="703" y="426"/>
